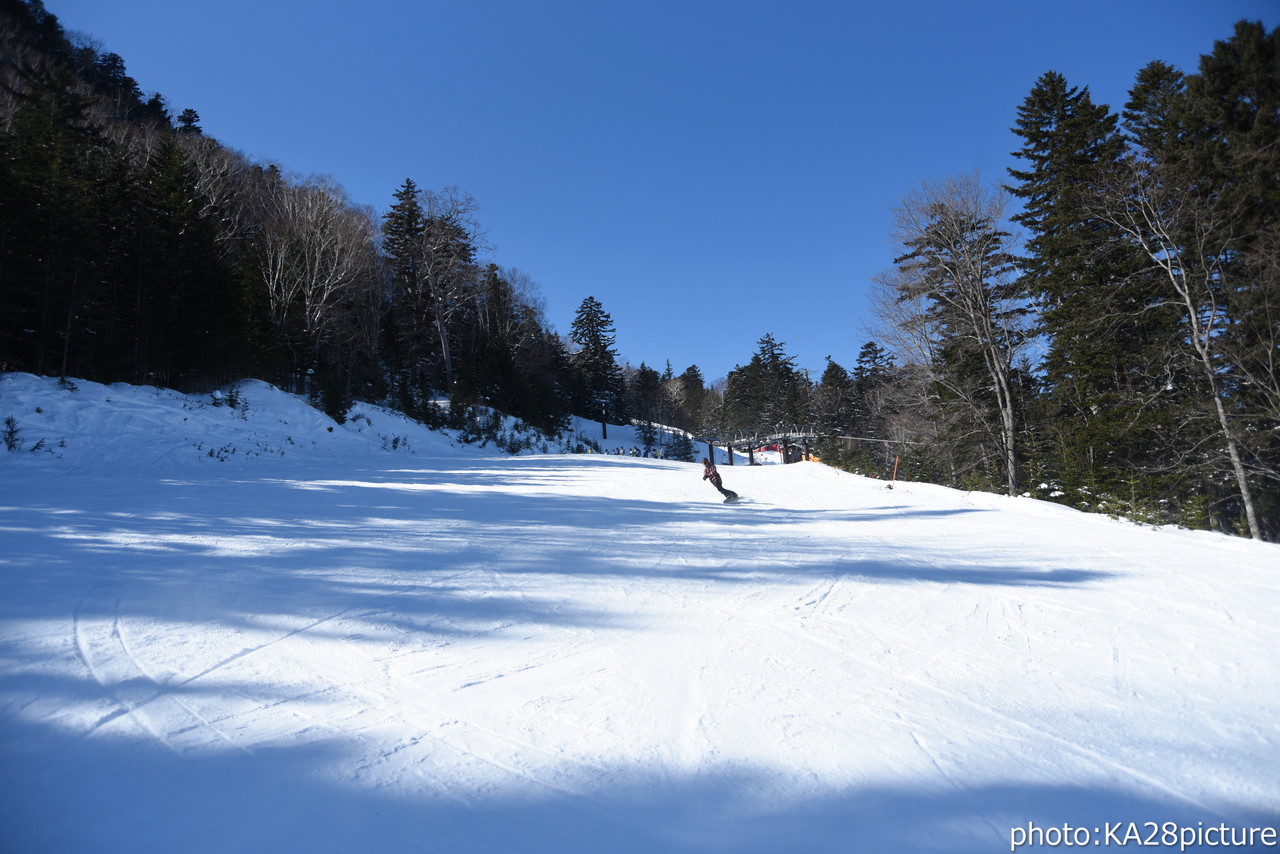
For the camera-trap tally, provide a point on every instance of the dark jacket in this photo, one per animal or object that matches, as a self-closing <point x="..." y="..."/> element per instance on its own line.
<point x="709" y="473"/>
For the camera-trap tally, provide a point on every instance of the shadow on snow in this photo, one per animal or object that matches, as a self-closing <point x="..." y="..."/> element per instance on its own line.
<point x="443" y="553"/>
<point x="116" y="796"/>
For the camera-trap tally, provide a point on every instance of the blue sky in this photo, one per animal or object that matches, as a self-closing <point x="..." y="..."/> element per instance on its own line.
<point x="710" y="171"/>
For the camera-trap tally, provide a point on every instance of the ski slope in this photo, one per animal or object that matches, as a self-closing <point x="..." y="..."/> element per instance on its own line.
<point x="316" y="639"/>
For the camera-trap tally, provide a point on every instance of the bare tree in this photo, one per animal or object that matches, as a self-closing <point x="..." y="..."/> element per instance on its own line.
<point x="949" y="306"/>
<point x="317" y="254"/>
<point x="1191" y="237"/>
<point x="225" y="181"/>
<point x="509" y="307"/>
<point x="1262" y="371"/>
<point x="448" y="276"/>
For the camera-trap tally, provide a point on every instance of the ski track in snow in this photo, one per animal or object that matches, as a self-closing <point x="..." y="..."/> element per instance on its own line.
<point x="105" y="651"/>
<point x="461" y="652"/>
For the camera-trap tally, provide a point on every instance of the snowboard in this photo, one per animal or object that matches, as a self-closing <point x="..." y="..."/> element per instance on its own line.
<point x="733" y="499"/>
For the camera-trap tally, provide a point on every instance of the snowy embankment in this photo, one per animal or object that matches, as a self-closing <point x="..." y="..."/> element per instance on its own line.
<point x="254" y="630"/>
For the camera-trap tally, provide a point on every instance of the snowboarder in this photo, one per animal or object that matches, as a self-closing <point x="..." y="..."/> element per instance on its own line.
<point x="709" y="473"/>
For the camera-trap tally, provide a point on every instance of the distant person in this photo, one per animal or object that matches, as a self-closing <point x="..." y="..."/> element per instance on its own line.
<point x="709" y="473"/>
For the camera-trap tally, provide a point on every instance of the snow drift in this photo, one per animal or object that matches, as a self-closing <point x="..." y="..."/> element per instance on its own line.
<point x="252" y="629"/>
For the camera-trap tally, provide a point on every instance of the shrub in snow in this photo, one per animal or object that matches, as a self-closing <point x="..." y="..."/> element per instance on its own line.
<point x="11" y="434"/>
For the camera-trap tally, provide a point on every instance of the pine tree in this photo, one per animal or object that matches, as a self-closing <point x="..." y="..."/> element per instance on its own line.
<point x="768" y="391"/>
<point x="692" y="391"/>
<point x="834" y="401"/>
<point x="407" y="340"/>
<point x="600" y="393"/>
<point x="178" y="273"/>
<point x="872" y="373"/>
<point x="189" y="122"/>
<point x="645" y="390"/>
<point x="1093" y="300"/>
<point x="1151" y="118"/>
<point x="107" y="74"/>
<point x="53" y="157"/>
<point x="681" y="448"/>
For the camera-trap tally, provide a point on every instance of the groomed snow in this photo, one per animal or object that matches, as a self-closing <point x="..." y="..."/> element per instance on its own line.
<point x="254" y="630"/>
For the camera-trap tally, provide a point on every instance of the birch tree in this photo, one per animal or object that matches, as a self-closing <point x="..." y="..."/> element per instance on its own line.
<point x="317" y="252"/>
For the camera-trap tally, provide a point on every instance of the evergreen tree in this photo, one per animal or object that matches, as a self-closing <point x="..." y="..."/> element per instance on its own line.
<point x="107" y="74"/>
<point x="768" y="391"/>
<point x="833" y="400"/>
<point x="51" y="238"/>
<point x="189" y="122"/>
<point x="871" y="394"/>
<point x="645" y="390"/>
<point x="872" y="372"/>
<point x="692" y="392"/>
<point x="681" y="448"/>
<point x="408" y="342"/>
<point x="600" y="385"/>
<point x="92" y="186"/>
<point x="1151" y="115"/>
<point x="1095" y="304"/>
<point x="183" y="290"/>
<point x="402" y="229"/>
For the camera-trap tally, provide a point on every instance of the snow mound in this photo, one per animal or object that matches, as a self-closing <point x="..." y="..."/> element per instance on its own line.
<point x="108" y="427"/>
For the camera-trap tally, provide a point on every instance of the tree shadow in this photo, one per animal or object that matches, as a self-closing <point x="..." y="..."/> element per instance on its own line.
<point x="107" y="795"/>
<point x="435" y="554"/>
<point x="437" y="549"/>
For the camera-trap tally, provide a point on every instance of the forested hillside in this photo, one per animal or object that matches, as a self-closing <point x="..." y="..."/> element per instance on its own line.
<point x="1102" y="329"/>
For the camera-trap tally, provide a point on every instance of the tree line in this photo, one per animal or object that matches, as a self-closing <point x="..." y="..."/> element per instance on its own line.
<point x="134" y="247"/>
<point x="1125" y="352"/>
<point x="1101" y="329"/>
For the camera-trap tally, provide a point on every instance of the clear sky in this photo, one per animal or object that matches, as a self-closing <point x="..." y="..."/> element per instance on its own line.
<point x="710" y="170"/>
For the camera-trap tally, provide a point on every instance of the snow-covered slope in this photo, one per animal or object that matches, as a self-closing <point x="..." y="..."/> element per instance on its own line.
<point x="365" y="637"/>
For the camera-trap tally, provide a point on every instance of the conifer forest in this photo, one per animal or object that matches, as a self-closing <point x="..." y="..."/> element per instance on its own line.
<point x="1100" y="327"/>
